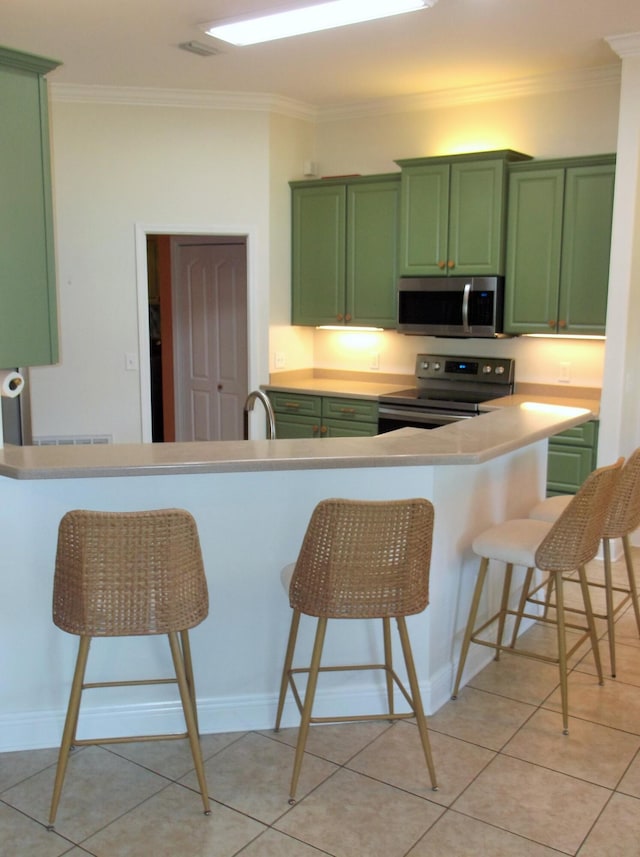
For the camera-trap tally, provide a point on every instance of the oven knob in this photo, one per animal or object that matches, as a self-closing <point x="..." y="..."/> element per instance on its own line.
<point x="486" y="369"/>
<point x="499" y="370"/>
<point x="436" y="366"/>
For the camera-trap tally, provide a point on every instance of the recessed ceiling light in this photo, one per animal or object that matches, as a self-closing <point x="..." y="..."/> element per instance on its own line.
<point x="323" y="16"/>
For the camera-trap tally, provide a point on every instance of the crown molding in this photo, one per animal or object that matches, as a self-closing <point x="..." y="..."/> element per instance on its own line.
<point x="626" y="45"/>
<point x="524" y="87"/>
<point x="202" y="99"/>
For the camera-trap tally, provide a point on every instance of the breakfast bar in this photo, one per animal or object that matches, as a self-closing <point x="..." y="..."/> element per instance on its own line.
<point x="251" y="501"/>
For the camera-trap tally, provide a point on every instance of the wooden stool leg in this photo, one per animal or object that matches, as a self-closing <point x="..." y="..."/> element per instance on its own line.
<point x="633" y="589"/>
<point x="608" y="591"/>
<point x="504" y="605"/>
<point x="189" y="716"/>
<point x="310" y="693"/>
<point x="188" y="669"/>
<point x="562" y="652"/>
<point x="591" y="622"/>
<point x="418" y="709"/>
<point x="70" y="725"/>
<point x="388" y="661"/>
<point x="288" y="661"/>
<point x="473" y="611"/>
<point x="524" y="595"/>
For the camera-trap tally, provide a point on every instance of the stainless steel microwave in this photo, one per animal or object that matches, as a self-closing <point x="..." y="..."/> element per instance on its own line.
<point x="451" y="306"/>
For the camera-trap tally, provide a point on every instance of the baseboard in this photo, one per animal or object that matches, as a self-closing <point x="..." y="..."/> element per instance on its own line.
<point x="42" y="729"/>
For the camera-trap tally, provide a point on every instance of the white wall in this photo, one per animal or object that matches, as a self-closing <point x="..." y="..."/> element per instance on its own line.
<point x="173" y="168"/>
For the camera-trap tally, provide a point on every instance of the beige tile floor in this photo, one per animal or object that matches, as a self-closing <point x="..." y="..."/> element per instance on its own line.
<point x="510" y="782"/>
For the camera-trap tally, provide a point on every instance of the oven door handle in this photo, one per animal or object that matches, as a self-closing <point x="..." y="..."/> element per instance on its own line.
<point x="419" y="416"/>
<point x="465" y="307"/>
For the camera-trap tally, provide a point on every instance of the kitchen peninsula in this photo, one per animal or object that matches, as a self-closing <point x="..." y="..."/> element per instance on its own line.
<point x="252" y="501"/>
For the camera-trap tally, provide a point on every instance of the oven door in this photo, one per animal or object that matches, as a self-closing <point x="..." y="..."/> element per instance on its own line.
<point x="392" y="417"/>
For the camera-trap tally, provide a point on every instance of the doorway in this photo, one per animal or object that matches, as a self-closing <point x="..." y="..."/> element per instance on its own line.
<point x="198" y="348"/>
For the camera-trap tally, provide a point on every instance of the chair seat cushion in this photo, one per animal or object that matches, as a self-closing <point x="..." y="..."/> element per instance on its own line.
<point x="514" y="541"/>
<point x="285" y="576"/>
<point x="551" y="508"/>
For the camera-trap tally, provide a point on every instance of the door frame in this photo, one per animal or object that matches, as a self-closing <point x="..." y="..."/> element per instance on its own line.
<point x="257" y="316"/>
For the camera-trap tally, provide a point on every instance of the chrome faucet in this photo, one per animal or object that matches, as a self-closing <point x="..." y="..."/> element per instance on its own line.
<point x="271" y="419"/>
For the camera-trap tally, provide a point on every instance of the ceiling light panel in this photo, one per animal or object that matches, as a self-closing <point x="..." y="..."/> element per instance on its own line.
<point x="311" y="19"/>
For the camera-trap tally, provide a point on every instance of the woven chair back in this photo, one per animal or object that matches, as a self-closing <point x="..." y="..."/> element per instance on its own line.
<point x="128" y="573"/>
<point x="575" y="537"/>
<point x="624" y="509"/>
<point x="364" y="559"/>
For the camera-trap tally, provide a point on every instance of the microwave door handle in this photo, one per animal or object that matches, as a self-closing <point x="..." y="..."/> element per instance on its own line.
<point x="465" y="308"/>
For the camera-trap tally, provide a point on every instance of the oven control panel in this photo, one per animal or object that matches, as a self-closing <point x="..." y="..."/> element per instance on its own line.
<point x="479" y="369"/>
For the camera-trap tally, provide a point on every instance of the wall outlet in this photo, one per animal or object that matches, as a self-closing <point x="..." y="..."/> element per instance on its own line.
<point x="564" y="376"/>
<point x="131" y="362"/>
<point x="374" y="360"/>
<point x="279" y="360"/>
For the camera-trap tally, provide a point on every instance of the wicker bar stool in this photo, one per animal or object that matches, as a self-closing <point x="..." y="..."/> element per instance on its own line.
<point x="121" y="574"/>
<point x="556" y="548"/>
<point x="623" y="517"/>
<point x="360" y="560"/>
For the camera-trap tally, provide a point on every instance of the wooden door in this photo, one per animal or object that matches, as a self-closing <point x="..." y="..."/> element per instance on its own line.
<point x="209" y="338"/>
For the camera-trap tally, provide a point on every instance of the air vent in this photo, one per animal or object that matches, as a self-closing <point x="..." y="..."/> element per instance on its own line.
<point x="70" y="440"/>
<point x="200" y="49"/>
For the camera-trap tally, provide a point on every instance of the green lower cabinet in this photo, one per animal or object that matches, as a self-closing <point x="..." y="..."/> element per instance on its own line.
<point x="302" y="415"/>
<point x="572" y="457"/>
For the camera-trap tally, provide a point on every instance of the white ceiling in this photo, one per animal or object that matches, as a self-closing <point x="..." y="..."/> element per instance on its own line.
<point x="458" y="43"/>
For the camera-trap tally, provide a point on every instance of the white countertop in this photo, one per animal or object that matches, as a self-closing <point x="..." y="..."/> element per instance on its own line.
<point x="465" y="442"/>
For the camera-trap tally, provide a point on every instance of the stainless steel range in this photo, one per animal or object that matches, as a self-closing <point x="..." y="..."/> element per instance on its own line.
<point x="447" y="389"/>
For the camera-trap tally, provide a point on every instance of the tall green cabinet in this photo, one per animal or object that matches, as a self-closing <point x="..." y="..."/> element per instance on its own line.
<point x="344" y="251"/>
<point x="28" y="317"/>
<point x="558" y="245"/>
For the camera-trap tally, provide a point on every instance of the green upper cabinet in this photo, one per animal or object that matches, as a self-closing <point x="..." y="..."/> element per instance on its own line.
<point x="452" y="214"/>
<point x="345" y="249"/>
<point x="28" y="318"/>
<point x="558" y="245"/>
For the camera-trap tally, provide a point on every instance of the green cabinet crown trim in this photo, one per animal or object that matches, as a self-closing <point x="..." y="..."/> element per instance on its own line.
<point x="558" y="245"/>
<point x="506" y="155"/>
<point x="26" y="62"/>
<point x="344" y="251"/>
<point x="28" y="322"/>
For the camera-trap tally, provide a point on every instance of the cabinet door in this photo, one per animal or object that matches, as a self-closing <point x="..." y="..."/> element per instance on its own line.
<point x="567" y="467"/>
<point x="534" y="239"/>
<point x="342" y="428"/>
<point x="476" y="206"/>
<point x="28" y="321"/>
<point x="424" y="219"/>
<point x="318" y="255"/>
<point x="372" y="252"/>
<point x="586" y="245"/>
<point x="288" y="427"/>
